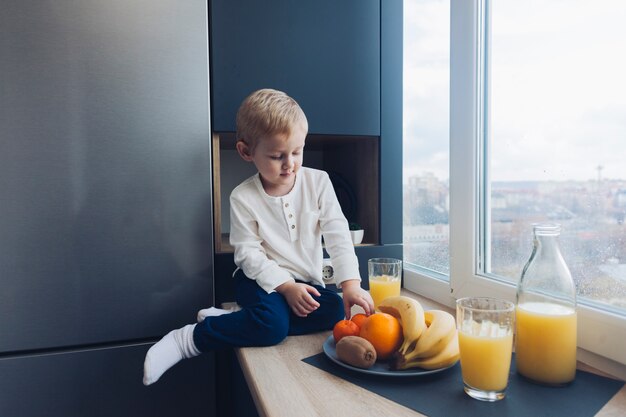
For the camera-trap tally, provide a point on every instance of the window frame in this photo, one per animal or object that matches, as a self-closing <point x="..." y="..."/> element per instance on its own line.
<point x="601" y="338"/>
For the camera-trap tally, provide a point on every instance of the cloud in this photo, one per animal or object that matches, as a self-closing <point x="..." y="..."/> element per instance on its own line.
<point x="558" y="94"/>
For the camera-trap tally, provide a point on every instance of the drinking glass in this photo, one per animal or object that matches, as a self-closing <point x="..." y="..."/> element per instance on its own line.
<point x="485" y="326"/>
<point x="384" y="278"/>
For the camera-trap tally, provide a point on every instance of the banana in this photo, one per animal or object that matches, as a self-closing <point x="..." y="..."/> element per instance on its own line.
<point x="446" y="357"/>
<point x="441" y="328"/>
<point x="410" y="314"/>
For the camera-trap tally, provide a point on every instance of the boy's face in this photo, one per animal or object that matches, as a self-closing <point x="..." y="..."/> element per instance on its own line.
<point x="277" y="158"/>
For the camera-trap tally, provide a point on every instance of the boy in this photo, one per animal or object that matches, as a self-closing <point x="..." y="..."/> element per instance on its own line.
<point x="278" y="217"/>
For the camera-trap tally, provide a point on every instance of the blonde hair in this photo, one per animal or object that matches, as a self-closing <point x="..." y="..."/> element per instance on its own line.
<point x="268" y="112"/>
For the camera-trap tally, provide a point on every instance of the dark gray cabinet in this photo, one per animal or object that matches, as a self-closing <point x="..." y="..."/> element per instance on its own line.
<point x="323" y="53"/>
<point x="105" y="204"/>
<point x="391" y="125"/>
<point x="103" y="383"/>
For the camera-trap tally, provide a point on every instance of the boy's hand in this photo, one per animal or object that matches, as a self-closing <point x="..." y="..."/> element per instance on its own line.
<point x="354" y="294"/>
<point x="298" y="296"/>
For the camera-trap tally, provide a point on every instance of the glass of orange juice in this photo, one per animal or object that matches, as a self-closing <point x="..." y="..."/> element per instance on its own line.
<point x="485" y="327"/>
<point x="384" y="278"/>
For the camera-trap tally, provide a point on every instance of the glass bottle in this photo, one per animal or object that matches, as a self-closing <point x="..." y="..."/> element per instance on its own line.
<point x="545" y="340"/>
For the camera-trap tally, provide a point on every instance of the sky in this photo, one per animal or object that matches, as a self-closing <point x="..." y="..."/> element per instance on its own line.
<point x="558" y="93"/>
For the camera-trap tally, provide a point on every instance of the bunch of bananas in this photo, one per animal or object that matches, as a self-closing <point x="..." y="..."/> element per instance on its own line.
<point x="430" y="337"/>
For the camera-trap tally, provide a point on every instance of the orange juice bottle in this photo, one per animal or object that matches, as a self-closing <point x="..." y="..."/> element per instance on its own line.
<point x="545" y="340"/>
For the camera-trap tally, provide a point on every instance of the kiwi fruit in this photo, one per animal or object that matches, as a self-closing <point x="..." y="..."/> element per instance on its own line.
<point x="356" y="351"/>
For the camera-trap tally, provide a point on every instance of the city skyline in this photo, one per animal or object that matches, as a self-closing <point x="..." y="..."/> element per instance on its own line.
<point x="599" y="176"/>
<point x="592" y="214"/>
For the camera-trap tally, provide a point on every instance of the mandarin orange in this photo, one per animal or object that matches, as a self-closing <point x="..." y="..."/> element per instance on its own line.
<point x="345" y="328"/>
<point x="359" y="319"/>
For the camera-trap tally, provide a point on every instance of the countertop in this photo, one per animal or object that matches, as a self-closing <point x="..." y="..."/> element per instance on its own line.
<point x="282" y="385"/>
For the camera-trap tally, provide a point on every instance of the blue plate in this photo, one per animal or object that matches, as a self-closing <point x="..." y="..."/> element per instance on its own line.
<point x="379" y="368"/>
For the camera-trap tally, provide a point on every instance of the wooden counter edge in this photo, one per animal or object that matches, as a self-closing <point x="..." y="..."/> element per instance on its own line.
<point x="252" y="384"/>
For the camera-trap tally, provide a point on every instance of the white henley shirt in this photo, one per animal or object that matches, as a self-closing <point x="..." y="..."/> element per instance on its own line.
<point x="277" y="239"/>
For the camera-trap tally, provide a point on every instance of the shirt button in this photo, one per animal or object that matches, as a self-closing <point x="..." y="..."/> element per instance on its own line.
<point x="293" y="226"/>
<point x="286" y="204"/>
<point x="290" y="216"/>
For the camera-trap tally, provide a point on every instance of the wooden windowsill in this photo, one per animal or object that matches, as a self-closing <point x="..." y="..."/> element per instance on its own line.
<point x="316" y="393"/>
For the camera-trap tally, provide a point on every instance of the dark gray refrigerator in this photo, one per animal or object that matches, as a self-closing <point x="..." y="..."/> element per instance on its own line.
<point x="106" y="236"/>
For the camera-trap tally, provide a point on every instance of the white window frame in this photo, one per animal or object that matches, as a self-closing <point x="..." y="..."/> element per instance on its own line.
<point x="601" y="335"/>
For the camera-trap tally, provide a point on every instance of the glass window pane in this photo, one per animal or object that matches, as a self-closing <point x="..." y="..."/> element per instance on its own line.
<point x="426" y="126"/>
<point x="558" y="139"/>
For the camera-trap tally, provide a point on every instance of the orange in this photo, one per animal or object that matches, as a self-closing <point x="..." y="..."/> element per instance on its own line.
<point x="384" y="332"/>
<point x="345" y="328"/>
<point x="359" y="319"/>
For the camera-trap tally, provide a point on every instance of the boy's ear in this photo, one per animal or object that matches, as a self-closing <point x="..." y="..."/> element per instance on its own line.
<point x="244" y="150"/>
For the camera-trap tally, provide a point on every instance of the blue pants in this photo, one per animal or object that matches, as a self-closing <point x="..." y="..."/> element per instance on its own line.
<point x="264" y="319"/>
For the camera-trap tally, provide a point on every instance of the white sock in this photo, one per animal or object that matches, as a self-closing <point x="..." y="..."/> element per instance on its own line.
<point x="211" y="312"/>
<point x="167" y="352"/>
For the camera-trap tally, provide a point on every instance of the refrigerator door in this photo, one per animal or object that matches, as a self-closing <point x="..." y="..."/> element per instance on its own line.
<point x="105" y="179"/>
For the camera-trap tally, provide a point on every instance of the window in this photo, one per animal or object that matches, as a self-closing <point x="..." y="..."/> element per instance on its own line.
<point x="536" y="132"/>
<point x="426" y="92"/>
<point x="558" y="101"/>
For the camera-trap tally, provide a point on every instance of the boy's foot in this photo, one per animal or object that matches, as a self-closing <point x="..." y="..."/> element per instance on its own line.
<point x="167" y="352"/>
<point x="211" y="312"/>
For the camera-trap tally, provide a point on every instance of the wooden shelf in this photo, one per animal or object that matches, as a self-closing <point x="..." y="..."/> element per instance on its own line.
<point x="352" y="162"/>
